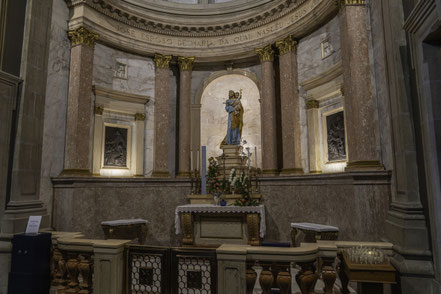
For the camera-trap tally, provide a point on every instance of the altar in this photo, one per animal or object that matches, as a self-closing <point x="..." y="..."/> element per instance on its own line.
<point x="210" y="225"/>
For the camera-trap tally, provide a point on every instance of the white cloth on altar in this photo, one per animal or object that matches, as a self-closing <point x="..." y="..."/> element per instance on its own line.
<point x="210" y="208"/>
<point x="314" y="227"/>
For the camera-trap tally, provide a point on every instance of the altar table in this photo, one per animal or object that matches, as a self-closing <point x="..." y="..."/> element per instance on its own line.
<point x="211" y="225"/>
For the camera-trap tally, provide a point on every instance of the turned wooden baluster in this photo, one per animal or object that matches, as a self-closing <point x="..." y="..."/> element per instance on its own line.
<point x="328" y="274"/>
<point x="307" y="277"/>
<point x="266" y="280"/>
<point x="72" y="273"/>
<point x="55" y="259"/>
<point x="284" y="282"/>
<point x="342" y="275"/>
<point x="85" y="268"/>
<point x="251" y="277"/>
<point x="61" y="274"/>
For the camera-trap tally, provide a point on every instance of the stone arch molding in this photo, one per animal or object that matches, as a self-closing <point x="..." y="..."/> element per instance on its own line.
<point x="196" y="102"/>
<point x="214" y="35"/>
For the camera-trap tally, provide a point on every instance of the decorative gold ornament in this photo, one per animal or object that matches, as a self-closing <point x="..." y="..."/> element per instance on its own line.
<point x="139" y="116"/>
<point x="162" y="61"/>
<point x="266" y="53"/>
<point x="286" y="45"/>
<point x="186" y="63"/>
<point x="342" y="3"/>
<point x="311" y="104"/>
<point x="99" y="110"/>
<point x="83" y="36"/>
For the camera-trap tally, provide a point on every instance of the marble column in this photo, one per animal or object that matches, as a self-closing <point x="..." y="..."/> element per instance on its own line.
<point x="313" y="117"/>
<point x="289" y="98"/>
<point x="162" y="115"/>
<point x="358" y="100"/>
<point x="268" y="111"/>
<point x="79" y="137"/>
<point x="185" y="67"/>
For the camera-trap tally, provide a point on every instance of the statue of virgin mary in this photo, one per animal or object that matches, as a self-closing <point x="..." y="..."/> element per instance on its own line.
<point x="235" y="111"/>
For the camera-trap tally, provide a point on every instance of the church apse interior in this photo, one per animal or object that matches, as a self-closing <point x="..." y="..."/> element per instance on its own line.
<point x="241" y="146"/>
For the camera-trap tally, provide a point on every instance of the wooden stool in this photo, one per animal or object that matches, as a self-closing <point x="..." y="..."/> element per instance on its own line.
<point x="313" y="232"/>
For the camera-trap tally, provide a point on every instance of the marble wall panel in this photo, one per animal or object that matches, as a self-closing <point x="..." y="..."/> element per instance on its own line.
<point x="56" y="101"/>
<point x="140" y="80"/>
<point x="356" y="203"/>
<point x="83" y="206"/>
<point x="309" y="51"/>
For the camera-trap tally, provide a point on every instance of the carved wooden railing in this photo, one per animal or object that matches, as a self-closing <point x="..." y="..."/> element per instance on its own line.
<point x="76" y="265"/>
<point x="314" y="261"/>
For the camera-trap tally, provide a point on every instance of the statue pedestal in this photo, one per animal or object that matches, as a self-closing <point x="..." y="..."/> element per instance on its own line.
<point x="232" y="158"/>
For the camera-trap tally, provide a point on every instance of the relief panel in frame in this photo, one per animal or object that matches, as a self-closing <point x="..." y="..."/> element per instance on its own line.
<point x="335" y="137"/>
<point x="116" y="146"/>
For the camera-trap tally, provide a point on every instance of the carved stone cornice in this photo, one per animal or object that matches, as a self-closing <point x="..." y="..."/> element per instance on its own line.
<point x="162" y="61"/>
<point x="236" y="31"/>
<point x="266" y="53"/>
<point x="173" y="28"/>
<point x="82" y="36"/>
<point x="286" y="45"/>
<point x="185" y="63"/>
<point x="312" y="104"/>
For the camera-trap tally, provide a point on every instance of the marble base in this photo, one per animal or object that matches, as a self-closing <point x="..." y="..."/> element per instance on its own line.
<point x="356" y="202"/>
<point x="17" y="215"/>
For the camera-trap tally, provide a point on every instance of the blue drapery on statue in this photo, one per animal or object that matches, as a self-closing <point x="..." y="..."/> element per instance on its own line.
<point x="233" y="135"/>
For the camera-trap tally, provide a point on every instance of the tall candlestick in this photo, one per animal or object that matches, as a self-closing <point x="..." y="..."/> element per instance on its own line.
<point x="255" y="155"/>
<point x="204" y="170"/>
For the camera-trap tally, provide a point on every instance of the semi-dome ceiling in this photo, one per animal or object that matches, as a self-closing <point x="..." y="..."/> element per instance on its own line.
<point x="219" y="31"/>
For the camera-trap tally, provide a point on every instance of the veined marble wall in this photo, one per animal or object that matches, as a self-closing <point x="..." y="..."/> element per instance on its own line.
<point x="311" y="64"/>
<point x="214" y="118"/>
<point x="140" y="79"/>
<point x="57" y="88"/>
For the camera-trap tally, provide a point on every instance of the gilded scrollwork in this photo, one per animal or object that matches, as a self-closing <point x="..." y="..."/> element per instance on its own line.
<point x="266" y="53"/>
<point x="140" y="116"/>
<point x="286" y="45"/>
<point x="186" y="63"/>
<point x="312" y="104"/>
<point x="82" y="36"/>
<point x="162" y="61"/>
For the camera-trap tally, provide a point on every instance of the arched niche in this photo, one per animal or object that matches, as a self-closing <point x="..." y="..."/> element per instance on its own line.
<point x="210" y="118"/>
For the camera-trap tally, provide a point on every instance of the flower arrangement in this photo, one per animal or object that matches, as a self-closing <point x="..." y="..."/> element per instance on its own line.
<point x="237" y="183"/>
<point x="241" y="184"/>
<point x="215" y="186"/>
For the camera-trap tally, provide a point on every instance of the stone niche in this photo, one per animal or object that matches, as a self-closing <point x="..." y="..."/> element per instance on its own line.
<point x="326" y="122"/>
<point x="119" y="129"/>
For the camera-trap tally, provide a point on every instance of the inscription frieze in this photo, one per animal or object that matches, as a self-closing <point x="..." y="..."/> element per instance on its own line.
<point x="205" y="42"/>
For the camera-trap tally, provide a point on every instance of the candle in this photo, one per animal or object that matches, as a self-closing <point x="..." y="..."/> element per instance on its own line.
<point x="255" y="155"/>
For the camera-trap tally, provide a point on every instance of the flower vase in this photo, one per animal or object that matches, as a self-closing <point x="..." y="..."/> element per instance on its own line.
<point x="216" y="197"/>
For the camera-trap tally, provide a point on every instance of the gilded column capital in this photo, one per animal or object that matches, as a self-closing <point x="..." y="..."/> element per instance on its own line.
<point x="312" y="104"/>
<point x="140" y="116"/>
<point x="185" y="63"/>
<point x="343" y="3"/>
<point x="162" y="61"/>
<point x="286" y="45"/>
<point x="266" y="53"/>
<point x="82" y="36"/>
<point x="99" y="110"/>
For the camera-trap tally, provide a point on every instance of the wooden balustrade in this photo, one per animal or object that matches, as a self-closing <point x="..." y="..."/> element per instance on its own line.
<point x="73" y="262"/>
